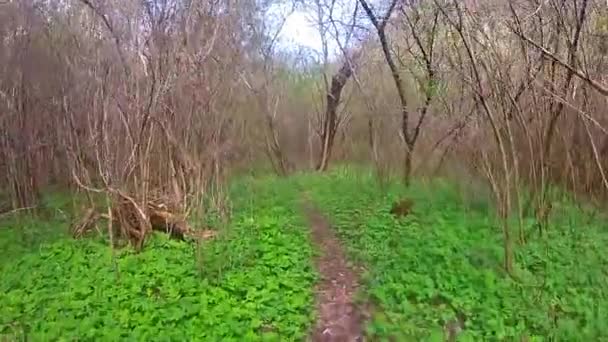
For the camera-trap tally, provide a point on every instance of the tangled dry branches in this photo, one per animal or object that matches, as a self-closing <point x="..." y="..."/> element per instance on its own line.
<point x="133" y="222"/>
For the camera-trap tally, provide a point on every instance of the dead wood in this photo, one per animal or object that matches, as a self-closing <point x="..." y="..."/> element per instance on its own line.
<point x="86" y="224"/>
<point x="133" y="222"/>
<point x="402" y="208"/>
<point x="167" y="222"/>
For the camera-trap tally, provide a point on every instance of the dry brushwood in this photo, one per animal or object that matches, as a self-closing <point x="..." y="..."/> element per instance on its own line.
<point x="133" y="223"/>
<point x="402" y="208"/>
<point x="164" y="221"/>
<point x="87" y="223"/>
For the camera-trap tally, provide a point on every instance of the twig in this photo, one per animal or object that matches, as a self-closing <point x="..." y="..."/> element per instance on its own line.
<point x="596" y="85"/>
<point x="16" y="210"/>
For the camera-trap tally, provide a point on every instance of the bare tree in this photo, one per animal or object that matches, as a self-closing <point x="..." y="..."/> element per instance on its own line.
<point x="331" y="119"/>
<point x="499" y="178"/>
<point x="268" y="96"/>
<point x="132" y="101"/>
<point x="334" y="29"/>
<point x="409" y="136"/>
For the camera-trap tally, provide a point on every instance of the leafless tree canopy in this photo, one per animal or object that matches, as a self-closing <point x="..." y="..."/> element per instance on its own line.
<point x="160" y="99"/>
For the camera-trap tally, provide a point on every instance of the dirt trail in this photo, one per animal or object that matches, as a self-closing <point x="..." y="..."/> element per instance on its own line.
<point x="339" y="318"/>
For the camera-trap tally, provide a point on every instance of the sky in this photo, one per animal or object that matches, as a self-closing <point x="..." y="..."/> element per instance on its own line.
<point x="300" y="36"/>
<point x="298" y="30"/>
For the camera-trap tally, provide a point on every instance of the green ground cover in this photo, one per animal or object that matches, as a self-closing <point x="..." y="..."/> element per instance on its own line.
<point x="254" y="282"/>
<point x="445" y="260"/>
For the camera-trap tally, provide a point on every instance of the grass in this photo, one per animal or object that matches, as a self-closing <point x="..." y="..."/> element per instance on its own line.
<point x="21" y="233"/>
<point x="252" y="283"/>
<point x="255" y="281"/>
<point x="445" y="259"/>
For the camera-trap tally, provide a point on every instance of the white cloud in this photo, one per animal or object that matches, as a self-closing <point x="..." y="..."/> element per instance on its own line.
<point x="299" y="30"/>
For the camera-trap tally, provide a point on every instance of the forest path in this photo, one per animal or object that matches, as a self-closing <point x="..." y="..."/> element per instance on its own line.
<point x="339" y="318"/>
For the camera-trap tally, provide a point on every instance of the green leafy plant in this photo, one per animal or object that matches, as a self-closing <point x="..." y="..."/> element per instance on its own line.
<point x="437" y="268"/>
<point x="255" y="284"/>
<point x="442" y="262"/>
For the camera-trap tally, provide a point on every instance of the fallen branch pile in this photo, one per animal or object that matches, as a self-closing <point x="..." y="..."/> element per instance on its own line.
<point x="133" y="222"/>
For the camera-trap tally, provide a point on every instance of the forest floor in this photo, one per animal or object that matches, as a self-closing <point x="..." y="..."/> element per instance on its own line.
<point x="339" y="317"/>
<point x="330" y="265"/>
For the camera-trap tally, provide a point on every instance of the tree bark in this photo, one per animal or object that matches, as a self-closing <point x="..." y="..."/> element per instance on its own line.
<point x="330" y="120"/>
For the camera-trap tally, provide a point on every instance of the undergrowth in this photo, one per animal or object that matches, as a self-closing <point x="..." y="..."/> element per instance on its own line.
<point x="253" y="282"/>
<point x="445" y="260"/>
<point x="21" y="232"/>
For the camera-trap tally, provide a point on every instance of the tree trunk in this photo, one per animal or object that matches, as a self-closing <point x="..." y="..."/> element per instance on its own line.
<point x="330" y="120"/>
<point x="407" y="165"/>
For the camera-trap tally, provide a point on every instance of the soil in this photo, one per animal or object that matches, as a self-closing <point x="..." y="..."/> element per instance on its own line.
<point x="339" y="318"/>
